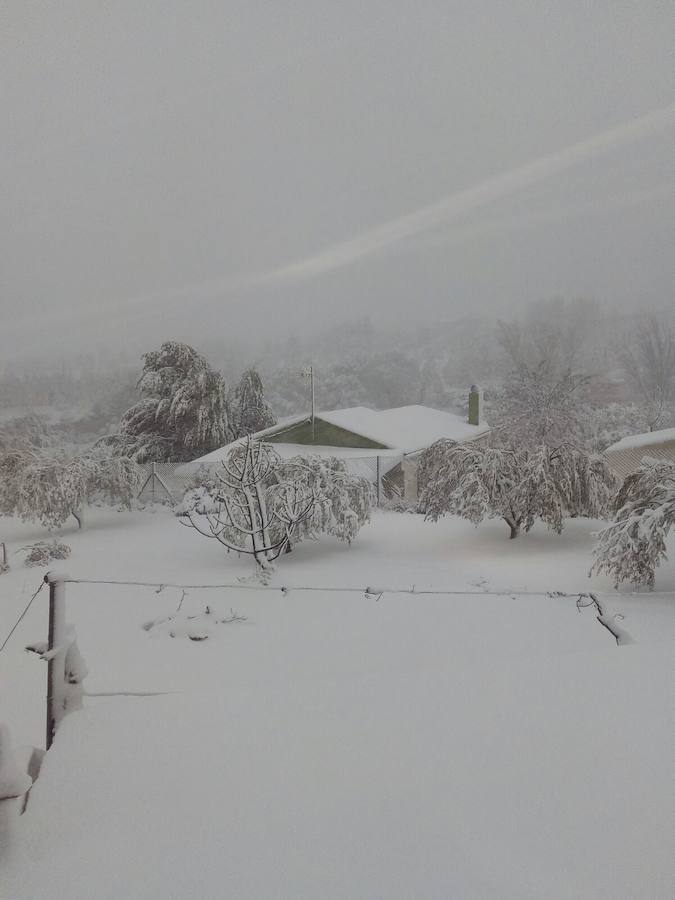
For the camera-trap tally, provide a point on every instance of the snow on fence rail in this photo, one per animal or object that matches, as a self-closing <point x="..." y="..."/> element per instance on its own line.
<point x="167" y="482"/>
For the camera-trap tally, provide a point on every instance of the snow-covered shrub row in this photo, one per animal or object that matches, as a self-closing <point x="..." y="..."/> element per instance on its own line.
<point x="518" y="486"/>
<point x="49" y="488"/>
<point x="633" y="546"/>
<point x="262" y="505"/>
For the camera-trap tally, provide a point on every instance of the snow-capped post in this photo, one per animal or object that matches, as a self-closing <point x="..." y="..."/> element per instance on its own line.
<point x="57" y="641"/>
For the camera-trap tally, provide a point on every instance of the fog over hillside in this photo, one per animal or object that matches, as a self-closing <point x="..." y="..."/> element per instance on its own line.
<point x="237" y="173"/>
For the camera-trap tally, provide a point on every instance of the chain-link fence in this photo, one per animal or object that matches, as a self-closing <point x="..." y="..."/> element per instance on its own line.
<point x="167" y="482"/>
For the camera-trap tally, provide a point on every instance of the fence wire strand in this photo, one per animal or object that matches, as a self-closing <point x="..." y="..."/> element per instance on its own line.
<point x="21" y="617"/>
<point x="368" y="590"/>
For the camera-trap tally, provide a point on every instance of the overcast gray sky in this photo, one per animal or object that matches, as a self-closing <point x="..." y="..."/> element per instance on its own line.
<point x="183" y="169"/>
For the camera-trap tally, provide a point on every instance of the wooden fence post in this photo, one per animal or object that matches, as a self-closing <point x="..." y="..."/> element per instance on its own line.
<point x="377" y="475"/>
<point x="57" y="640"/>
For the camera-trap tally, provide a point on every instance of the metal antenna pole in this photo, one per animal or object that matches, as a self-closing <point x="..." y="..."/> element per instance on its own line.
<point x="311" y="381"/>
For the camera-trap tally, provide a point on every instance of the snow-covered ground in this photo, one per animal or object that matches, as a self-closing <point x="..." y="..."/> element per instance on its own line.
<point x="336" y="745"/>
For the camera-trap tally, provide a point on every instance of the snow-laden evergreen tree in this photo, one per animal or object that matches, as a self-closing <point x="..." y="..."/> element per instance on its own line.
<point x="49" y="488"/>
<point x="631" y="548"/>
<point x="261" y="505"/>
<point x="518" y="486"/>
<point x="182" y="413"/>
<point x="249" y="412"/>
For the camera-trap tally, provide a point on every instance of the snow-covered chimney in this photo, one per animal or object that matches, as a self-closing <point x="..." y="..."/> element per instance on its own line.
<point x="474" y="405"/>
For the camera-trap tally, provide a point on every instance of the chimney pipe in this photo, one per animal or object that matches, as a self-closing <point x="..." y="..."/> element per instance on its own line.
<point x="474" y="405"/>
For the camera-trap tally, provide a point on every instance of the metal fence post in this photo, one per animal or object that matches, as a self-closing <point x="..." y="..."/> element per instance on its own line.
<point x="56" y="670"/>
<point x="378" y="479"/>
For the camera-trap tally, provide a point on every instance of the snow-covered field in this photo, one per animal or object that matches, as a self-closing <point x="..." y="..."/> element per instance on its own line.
<point x="337" y="745"/>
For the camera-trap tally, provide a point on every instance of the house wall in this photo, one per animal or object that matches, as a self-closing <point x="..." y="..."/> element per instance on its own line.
<point x="323" y="435"/>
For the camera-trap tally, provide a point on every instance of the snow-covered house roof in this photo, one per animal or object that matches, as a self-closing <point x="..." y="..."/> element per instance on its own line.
<point x="626" y="455"/>
<point x="402" y="430"/>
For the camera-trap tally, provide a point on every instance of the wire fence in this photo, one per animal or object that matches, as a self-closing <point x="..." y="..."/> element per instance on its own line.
<point x="126" y="611"/>
<point x="167" y="482"/>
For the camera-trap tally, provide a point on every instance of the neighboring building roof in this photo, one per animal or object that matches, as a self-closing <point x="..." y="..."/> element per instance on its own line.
<point x="626" y="456"/>
<point x="648" y="439"/>
<point x="405" y="429"/>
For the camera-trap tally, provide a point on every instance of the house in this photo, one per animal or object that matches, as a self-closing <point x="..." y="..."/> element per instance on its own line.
<point x="383" y="445"/>
<point x="626" y="455"/>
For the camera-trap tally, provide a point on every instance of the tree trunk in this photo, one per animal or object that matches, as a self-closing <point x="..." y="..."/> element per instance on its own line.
<point x="79" y="515"/>
<point x="515" y="528"/>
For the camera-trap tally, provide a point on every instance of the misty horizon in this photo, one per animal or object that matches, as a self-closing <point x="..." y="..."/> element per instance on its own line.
<point x="297" y="167"/>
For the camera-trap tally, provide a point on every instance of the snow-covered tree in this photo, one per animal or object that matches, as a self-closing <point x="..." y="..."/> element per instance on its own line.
<point x="648" y="359"/>
<point x="631" y="548"/>
<point x="518" y="486"/>
<point x="347" y="500"/>
<point x="246" y="508"/>
<point x="249" y="412"/>
<point x="261" y="505"/>
<point x="24" y="432"/>
<point x="182" y="413"/>
<point x="51" y="488"/>
<point x="538" y="405"/>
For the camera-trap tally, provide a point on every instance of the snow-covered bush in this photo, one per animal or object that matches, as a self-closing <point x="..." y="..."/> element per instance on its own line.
<point x="261" y="505"/>
<point x="196" y="627"/>
<point x="518" y="486"/>
<point x="633" y="546"/>
<point x="40" y="553"/>
<point x="51" y="488"/>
